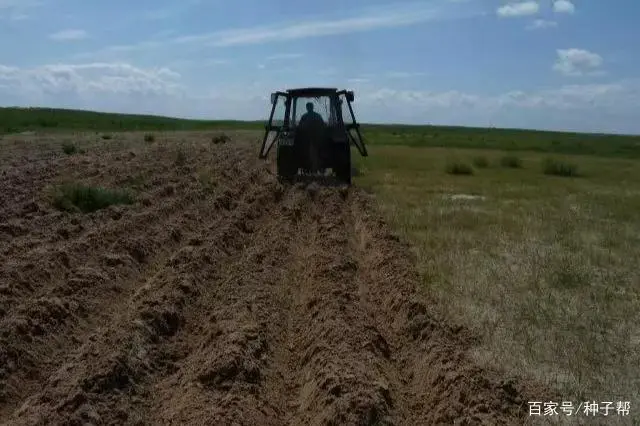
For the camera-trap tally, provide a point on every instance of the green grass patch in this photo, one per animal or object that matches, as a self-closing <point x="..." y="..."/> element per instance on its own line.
<point x="75" y="197"/>
<point x="69" y="148"/>
<point x="551" y="166"/>
<point x="457" y="167"/>
<point x="480" y="161"/>
<point x="221" y="138"/>
<point x="135" y="182"/>
<point x="511" y="162"/>
<point x="181" y="158"/>
<point x="149" y="137"/>
<point x="207" y="182"/>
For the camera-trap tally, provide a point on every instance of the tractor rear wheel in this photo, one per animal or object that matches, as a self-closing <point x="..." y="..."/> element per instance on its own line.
<point x="342" y="162"/>
<point x="286" y="162"/>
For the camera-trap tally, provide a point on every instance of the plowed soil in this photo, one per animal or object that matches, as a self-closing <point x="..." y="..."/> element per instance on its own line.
<point x="220" y="297"/>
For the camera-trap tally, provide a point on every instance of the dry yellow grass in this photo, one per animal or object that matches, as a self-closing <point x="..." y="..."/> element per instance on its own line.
<point x="545" y="268"/>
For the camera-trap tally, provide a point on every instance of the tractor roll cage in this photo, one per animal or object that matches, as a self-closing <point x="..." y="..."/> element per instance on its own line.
<point x="272" y="131"/>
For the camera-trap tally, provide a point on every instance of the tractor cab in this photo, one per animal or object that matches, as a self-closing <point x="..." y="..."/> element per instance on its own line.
<point x="313" y="129"/>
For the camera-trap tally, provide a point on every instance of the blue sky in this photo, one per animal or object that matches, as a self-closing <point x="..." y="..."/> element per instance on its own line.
<point x="548" y="64"/>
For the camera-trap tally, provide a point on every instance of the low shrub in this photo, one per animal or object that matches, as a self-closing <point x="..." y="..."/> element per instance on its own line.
<point x="87" y="199"/>
<point x="458" y="168"/>
<point x="69" y="148"/>
<point x="511" y="161"/>
<point x="555" y="167"/>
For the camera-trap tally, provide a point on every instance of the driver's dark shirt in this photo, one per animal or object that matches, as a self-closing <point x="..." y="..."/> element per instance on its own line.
<point x="311" y="117"/>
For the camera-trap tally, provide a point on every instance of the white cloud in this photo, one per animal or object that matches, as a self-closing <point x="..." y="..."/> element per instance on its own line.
<point x="16" y="16"/>
<point x="563" y="6"/>
<point x="597" y="107"/>
<point x="10" y="4"/>
<point x="16" y="10"/>
<point x="284" y="56"/>
<point x="541" y="24"/>
<point x="426" y="100"/>
<point x="158" y="14"/>
<point x="91" y="79"/>
<point x="309" y="29"/>
<point x="67" y="35"/>
<point x="213" y="62"/>
<point x="577" y="62"/>
<point x="174" y="11"/>
<point x="406" y="74"/>
<point x="566" y="97"/>
<point x="358" y="80"/>
<point x="524" y="8"/>
<point x="394" y="16"/>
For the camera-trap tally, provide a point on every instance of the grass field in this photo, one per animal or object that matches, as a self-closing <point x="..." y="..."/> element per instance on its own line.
<point x="505" y="139"/>
<point x="14" y="120"/>
<point x="530" y="238"/>
<point x="544" y="267"/>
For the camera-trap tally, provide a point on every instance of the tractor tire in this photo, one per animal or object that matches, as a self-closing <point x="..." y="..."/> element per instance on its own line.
<point x="287" y="163"/>
<point x="342" y="163"/>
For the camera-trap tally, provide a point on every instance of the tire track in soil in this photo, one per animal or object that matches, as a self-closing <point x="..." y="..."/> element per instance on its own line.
<point x="365" y="348"/>
<point x="339" y="364"/>
<point x="331" y="332"/>
<point x="228" y="376"/>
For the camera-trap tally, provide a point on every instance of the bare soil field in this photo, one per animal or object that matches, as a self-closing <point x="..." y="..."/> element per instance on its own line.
<point x="220" y="296"/>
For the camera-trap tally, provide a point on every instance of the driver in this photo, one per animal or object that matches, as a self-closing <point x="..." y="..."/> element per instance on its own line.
<point x="313" y="126"/>
<point x="311" y="116"/>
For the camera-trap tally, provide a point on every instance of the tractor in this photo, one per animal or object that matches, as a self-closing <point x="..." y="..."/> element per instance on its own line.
<point x="313" y="129"/>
